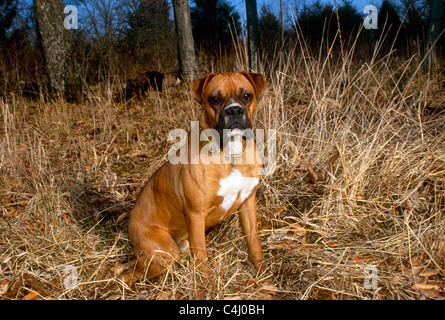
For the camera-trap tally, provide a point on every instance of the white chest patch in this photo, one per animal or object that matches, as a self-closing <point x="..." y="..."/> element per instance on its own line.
<point x="235" y="184"/>
<point x="236" y="146"/>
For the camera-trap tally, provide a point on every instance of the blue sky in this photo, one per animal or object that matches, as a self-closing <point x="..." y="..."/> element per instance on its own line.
<point x="292" y="5"/>
<point x="289" y="6"/>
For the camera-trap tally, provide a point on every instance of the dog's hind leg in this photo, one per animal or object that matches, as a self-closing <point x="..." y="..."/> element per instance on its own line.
<point x="155" y="251"/>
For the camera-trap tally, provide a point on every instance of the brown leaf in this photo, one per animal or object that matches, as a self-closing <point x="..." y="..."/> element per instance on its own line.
<point x="321" y="294"/>
<point x="429" y="273"/>
<point x="284" y="245"/>
<point x="312" y="175"/>
<point x="361" y="259"/>
<point x="32" y="282"/>
<point x="14" y="288"/>
<point x="426" y="286"/>
<point x="121" y="217"/>
<point x="280" y="246"/>
<point x="163" y="295"/>
<point x="431" y="294"/>
<point x="279" y="210"/>
<point x="316" y="189"/>
<point x="4" y="286"/>
<point x="33" y="295"/>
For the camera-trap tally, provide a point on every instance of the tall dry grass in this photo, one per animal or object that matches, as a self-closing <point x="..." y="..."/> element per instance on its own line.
<point x="357" y="194"/>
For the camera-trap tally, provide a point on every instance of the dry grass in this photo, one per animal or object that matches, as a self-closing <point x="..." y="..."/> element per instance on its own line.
<point x="69" y="172"/>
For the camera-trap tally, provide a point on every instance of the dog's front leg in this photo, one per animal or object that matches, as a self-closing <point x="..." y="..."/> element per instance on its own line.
<point x="196" y="230"/>
<point x="248" y="220"/>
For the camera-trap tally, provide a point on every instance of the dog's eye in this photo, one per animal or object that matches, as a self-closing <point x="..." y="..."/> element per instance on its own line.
<point x="215" y="100"/>
<point x="246" y="97"/>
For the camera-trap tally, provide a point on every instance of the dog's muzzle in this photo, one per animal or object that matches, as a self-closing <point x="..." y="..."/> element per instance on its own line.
<point x="234" y="117"/>
<point x="233" y="120"/>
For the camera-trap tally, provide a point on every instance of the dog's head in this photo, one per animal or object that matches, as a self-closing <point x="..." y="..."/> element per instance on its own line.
<point x="229" y="100"/>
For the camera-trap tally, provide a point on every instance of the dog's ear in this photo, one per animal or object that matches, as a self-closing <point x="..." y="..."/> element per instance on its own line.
<point x="197" y="86"/>
<point x="258" y="81"/>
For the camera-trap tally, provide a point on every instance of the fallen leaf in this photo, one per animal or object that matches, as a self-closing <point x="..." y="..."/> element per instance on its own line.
<point x="279" y="210"/>
<point x="431" y="294"/>
<point x="425" y="286"/>
<point x="33" y="295"/>
<point x="14" y="288"/>
<point x="4" y="286"/>
<point x="279" y="246"/>
<point x="284" y="245"/>
<point x="321" y="294"/>
<point x="430" y="273"/>
<point x="162" y="295"/>
<point x="30" y="281"/>
<point x="312" y="175"/>
<point x="361" y="259"/>
<point x="121" y="217"/>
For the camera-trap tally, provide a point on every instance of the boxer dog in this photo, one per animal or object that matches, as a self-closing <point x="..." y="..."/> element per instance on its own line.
<point x="181" y="201"/>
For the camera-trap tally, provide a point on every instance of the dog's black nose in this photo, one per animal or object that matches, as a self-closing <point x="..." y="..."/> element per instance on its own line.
<point x="235" y="111"/>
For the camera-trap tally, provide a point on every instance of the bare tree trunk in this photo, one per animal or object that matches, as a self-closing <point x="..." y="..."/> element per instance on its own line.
<point x="434" y="28"/>
<point x="253" y="36"/>
<point x="56" y="45"/>
<point x="282" y="22"/>
<point x="188" y="68"/>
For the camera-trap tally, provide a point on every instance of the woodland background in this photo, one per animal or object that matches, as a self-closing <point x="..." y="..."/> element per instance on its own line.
<point x="354" y="209"/>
